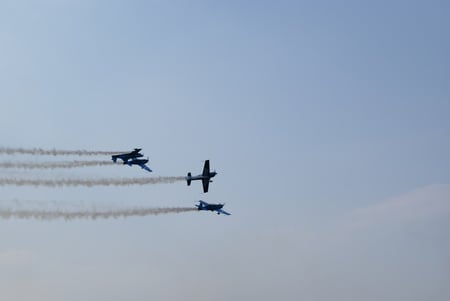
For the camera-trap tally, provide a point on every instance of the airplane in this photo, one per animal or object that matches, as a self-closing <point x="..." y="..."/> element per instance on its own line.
<point x="212" y="207"/>
<point x="140" y="162"/>
<point x="127" y="156"/>
<point x="205" y="176"/>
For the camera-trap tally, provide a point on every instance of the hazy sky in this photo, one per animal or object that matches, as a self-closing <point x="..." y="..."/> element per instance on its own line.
<point x="327" y="122"/>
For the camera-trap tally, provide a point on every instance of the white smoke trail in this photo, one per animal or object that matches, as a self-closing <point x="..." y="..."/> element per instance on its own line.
<point x="92" y="214"/>
<point x="53" y="152"/>
<point x="53" y="165"/>
<point x="88" y="182"/>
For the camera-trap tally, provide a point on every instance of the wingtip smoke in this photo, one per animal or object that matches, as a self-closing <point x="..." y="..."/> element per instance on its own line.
<point x="54" y="165"/>
<point x="88" y="182"/>
<point x="91" y="214"/>
<point x="53" y="152"/>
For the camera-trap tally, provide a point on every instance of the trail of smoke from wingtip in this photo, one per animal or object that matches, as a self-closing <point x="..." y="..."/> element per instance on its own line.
<point x="53" y="165"/>
<point x="88" y="182"/>
<point x="53" y="152"/>
<point x="89" y="214"/>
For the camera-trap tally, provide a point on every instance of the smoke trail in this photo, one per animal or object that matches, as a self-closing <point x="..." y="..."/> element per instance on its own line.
<point x="87" y="182"/>
<point x="52" y="165"/>
<point x="88" y="214"/>
<point x="53" y="152"/>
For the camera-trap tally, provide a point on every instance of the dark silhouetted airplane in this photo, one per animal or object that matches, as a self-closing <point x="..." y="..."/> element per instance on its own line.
<point x="212" y="207"/>
<point x="205" y="176"/>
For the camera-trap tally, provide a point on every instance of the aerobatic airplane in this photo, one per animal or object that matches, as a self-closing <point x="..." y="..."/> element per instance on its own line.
<point x="205" y="176"/>
<point x="127" y="156"/>
<point x="212" y="207"/>
<point x="140" y="162"/>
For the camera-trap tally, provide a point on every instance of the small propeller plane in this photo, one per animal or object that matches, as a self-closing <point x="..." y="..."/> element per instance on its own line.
<point x="140" y="162"/>
<point x="212" y="207"/>
<point x="128" y="156"/>
<point x="205" y="176"/>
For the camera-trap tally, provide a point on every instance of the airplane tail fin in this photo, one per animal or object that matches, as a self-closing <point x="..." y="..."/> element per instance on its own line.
<point x="199" y="205"/>
<point x="188" y="179"/>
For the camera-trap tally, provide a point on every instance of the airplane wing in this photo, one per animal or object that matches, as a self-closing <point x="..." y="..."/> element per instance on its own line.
<point x="223" y="212"/>
<point x="143" y="166"/>
<point x="206" y="169"/>
<point x="205" y="185"/>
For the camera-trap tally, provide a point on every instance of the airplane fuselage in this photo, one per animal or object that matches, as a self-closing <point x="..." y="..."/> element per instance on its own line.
<point x="213" y="207"/>
<point x="210" y="207"/>
<point x="201" y="177"/>
<point x="126" y="157"/>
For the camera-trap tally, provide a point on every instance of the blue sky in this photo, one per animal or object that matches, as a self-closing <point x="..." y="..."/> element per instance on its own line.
<point x="317" y="116"/>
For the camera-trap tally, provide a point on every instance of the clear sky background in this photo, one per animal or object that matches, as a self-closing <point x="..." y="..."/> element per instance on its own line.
<point x="327" y="122"/>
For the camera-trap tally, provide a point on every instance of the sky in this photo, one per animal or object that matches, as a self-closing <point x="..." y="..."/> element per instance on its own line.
<point x="326" y="121"/>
